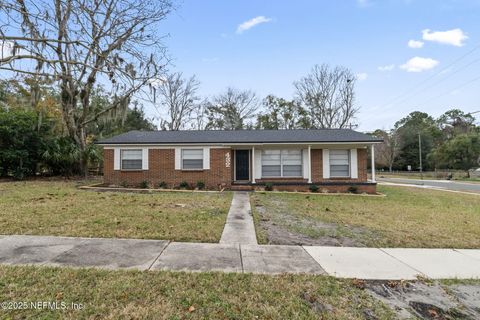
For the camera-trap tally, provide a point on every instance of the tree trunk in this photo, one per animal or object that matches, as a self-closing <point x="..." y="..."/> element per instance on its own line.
<point x="83" y="152"/>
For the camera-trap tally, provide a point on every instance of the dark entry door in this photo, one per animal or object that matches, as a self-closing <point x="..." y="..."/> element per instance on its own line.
<point x="242" y="165"/>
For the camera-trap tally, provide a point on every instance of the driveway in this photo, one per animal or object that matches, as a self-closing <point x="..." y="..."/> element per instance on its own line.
<point x="436" y="184"/>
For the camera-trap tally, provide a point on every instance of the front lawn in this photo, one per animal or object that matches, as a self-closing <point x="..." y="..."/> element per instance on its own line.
<point x="406" y="217"/>
<point x="58" y="208"/>
<point x="170" y="295"/>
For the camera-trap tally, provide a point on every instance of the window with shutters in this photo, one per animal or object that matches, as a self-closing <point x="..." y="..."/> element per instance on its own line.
<point x="131" y="159"/>
<point x="281" y="163"/>
<point x="339" y="163"/>
<point x="192" y="159"/>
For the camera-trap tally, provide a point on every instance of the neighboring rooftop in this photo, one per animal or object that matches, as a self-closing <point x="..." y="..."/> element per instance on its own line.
<point x="239" y="136"/>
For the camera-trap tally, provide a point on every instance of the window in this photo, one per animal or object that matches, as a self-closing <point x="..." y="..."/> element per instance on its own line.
<point x="271" y="163"/>
<point x="131" y="159"/>
<point x="192" y="159"/>
<point x="340" y="163"/>
<point x="282" y="163"/>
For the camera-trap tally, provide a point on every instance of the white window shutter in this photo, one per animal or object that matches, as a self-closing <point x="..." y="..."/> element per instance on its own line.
<point x="178" y="159"/>
<point x="353" y="164"/>
<point x="116" y="159"/>
<point x="206" y="158"/>
<point x="305" y="163"/>
<point x="326" y="163"/>
<point x="145" y="159"/>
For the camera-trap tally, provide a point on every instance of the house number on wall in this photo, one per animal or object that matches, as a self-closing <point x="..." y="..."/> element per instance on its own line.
<point x="227" y="159"/>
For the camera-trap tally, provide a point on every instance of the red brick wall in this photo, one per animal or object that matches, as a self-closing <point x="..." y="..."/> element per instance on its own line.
<point x="325" y="185"/>
<point x="162" y="168"/>
<point x="317" y="167"/>
<point x="363" y="188"/>
<point x="161" y="164"/>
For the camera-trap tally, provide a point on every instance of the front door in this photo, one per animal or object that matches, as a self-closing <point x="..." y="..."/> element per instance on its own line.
<point x="242" y="165"/>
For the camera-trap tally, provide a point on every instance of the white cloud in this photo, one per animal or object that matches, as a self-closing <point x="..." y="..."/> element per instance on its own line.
<point x="419" y="64"/>
<point x="388" y="67"/>
<point x="157" y="82"/>
<point x="415" y="44"/>
<point x="361" y="76"/>
<point x="454" y="37"/>
<point x="244" y="26"/>
<point x="6" y="49"/>
<point x="364" y="3"/>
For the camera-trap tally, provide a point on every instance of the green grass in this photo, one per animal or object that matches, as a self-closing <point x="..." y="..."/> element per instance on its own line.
<point x="262" y="237"/>
<point x="58" y="208"/>
<point x="169" y="295"/>
<point x="406" y="217"/>
<point x="429" y="176"/>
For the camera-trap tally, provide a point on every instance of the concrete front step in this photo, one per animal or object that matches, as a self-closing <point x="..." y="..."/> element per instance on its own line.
<point x="241" y="187"/>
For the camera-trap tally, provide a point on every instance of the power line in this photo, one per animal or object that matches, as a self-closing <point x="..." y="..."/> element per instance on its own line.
<point x="433" y="76"/>
<point x="439" y="81"/>
<point x="445" y="93"/>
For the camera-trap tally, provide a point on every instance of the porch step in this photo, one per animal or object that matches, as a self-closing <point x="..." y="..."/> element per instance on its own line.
<point x="241" y="187"/>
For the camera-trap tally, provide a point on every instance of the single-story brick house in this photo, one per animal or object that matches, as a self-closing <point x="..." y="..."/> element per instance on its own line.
<point x="333" y="159"/>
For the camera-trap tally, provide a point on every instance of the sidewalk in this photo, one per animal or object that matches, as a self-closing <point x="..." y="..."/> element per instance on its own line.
<point x="239" y="227"/>
<point x="343" y="262"/>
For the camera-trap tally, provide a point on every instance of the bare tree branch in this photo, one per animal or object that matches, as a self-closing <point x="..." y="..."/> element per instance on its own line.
<point x="81" y="43"/>
<point x="329" y="96"/>
<point x="231" y="109"/>
<point x="178" y="96"/>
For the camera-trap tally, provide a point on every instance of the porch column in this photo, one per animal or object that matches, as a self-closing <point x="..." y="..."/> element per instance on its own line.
<point x="252" y="167"/>
<point x="309" y="164"/>
<point x="372" y="148"/>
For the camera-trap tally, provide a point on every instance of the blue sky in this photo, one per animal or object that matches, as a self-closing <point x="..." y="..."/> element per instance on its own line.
<point x="363" y="35"/>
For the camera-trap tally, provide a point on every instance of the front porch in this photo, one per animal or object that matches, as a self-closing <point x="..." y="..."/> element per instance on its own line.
<point x="331" y="168"/>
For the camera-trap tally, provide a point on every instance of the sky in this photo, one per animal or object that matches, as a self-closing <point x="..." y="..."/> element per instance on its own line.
<point x="407" y="55"/>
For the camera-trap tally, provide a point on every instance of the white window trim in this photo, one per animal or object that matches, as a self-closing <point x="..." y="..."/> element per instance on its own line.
<point x="121" y="159"/>
<point x="281" y="165"/>
<point x="349" y="165"/>
<point x="196" y="169"/>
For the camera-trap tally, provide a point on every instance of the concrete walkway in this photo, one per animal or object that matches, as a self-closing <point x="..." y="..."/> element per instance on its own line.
<point x="239" y="228"/>
<point x="344" y="262"/>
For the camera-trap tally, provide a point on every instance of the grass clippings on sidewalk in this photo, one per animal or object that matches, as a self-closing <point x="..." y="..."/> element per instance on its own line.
<point x="58" y="208"/>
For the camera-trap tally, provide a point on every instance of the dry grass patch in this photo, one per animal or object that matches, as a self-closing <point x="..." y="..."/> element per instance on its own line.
<point x="59" y="208"/>
<point x="406" y="217"/>
<point x="168" y="295"/>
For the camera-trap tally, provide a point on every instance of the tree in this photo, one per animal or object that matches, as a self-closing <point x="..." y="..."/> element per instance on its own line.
<point x="462" y="152"/>
<point x="387" y="151"/>
<point x="198" y="117"/>
<point x="409" y="128"/>
<point x="231" y="110"/>
<point x="328" y="95"/>
<point x="134" y="119"/>
<point x="455" y="122"/>
<point x="282" y="114"/>
<point x="80" y="43"/>
<point x="179" y="96"/>
<point x="20" y="143"/>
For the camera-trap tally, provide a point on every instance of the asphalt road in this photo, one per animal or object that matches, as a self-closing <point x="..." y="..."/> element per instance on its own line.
<point x="436" y="184"/>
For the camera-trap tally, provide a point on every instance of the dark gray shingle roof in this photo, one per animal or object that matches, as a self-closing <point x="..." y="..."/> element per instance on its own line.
<point x="239" y="136"/>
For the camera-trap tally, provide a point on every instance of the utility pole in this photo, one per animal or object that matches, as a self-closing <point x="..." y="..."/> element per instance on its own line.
<point x="420" y="154"/>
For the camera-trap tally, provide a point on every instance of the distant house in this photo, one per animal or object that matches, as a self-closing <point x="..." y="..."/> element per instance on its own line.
<point x="332" y="159"/>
